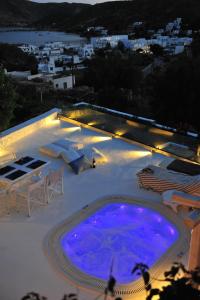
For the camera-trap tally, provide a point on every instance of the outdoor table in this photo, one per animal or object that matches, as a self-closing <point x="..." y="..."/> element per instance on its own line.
<point x="20" y="170"/>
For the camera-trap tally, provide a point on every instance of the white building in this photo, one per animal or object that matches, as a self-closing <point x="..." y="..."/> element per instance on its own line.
<point x="174" y="45"/>
<point x="55" y="45"/>
<point x="101" y="42"/>
<point x="18" y="74"/>
<point x="98" y="29"/>
<point x="139" y="44"/>
<point x="49" y="67"/>
<point x="29" y="49"/>
<point x="137" y="24"/>
<point x="87" y="51"/>
<point x="175" y="25"/>
<point x="62" y="82"/>
<point x="178" y="49"/>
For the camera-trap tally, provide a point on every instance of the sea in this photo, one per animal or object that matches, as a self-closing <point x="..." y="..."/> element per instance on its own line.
<point x="38" y="38"/>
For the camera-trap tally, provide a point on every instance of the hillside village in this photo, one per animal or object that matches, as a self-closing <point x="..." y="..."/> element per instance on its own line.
<point x="56" y="58"/>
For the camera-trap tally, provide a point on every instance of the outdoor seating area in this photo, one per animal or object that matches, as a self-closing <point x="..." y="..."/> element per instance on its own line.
<point x="179" y="184"/>
<point x="28" y="182"/>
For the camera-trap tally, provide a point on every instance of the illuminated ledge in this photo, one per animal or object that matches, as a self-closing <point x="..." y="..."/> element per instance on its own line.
<point x="62" y="264"/>
<point x="156" y="149"/>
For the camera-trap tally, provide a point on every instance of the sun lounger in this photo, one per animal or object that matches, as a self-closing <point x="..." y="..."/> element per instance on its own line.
<point x="174" y="199"/>
<point x="160" y="180"/>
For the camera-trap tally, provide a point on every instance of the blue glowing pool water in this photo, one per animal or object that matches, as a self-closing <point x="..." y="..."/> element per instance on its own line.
<point x="120" y="234"/>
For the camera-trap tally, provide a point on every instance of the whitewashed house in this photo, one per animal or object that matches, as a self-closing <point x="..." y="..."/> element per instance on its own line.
<point x="178" y="49"/>
<point x="29" y="49"/>
<point x="139" y="44"/>
<point x="44" y="51"/>
<point x="62" y="82"/>
<point x="87" y="51"/>
<point x="18" y="74"/>
<point x="101" y="42"/>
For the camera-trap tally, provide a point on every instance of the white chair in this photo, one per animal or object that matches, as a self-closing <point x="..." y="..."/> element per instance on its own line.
<point x="54" y="183"/>
<point x="30" y="193"/>
<point x="3" y="202"/>
<point x="4" y="198"/>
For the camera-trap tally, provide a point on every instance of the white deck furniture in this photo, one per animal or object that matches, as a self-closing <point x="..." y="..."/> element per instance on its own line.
<point x="16" y="178"/>
<point x="192" y="219"/>
<point x="3" y="201"/>
<point x="31" y="194"/>
<point x="160" y="180"/>
<point x="21" y="170"/>
<point x="174" y="199"/>
<point x="194" y="252"/>
<point x="54" y="184"/>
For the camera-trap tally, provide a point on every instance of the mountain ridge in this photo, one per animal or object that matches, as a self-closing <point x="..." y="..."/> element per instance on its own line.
<point x="115" y="15"/>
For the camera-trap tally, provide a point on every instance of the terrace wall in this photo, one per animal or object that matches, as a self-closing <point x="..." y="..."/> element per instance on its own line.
<point x="15" y="133"/>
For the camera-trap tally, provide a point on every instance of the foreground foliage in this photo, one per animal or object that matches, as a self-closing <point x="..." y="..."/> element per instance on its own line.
<point x="178" y="284"/>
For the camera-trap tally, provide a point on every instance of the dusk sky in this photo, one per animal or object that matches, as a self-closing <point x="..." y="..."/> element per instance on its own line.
<point x="70" y="1"/>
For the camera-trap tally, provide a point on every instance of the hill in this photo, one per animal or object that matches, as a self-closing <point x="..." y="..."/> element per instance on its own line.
<point x="27" y="13"/>
<point x="116" y="15"/>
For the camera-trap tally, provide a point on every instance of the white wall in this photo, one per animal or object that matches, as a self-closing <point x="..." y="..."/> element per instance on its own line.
<point x="14" y="134"/>
<point x="63" y="83"/>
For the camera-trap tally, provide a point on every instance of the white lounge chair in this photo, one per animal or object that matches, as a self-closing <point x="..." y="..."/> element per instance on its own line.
<point x="174" y="199"/>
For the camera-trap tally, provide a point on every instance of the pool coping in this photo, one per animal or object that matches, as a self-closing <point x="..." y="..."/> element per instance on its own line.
<point x="63" y="265"/>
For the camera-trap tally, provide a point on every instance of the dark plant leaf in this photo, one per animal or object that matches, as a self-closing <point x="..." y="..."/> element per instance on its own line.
<point x="146" y="277"/>
<point x="148" y="287"/>
<point x="27" y="297"/>
<point x="196" y="276"/>
<point x="172" y="273"/>
<point x="145" y="267"/>
<point x="153" y="292"/>
<point x="135" y="269"/>
<point x="72" y="296"/>
<point x="111" y="284"/>
<point x="33" y="296"/>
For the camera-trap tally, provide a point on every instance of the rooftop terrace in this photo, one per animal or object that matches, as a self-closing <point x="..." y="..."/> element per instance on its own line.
<point x="24" y="264"/>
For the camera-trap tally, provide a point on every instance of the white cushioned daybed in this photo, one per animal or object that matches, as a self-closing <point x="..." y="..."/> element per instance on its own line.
<point x="74" y="154"/>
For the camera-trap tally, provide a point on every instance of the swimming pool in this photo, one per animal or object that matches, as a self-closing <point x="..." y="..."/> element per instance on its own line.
<point x="118" y="235"/>
<point x="116" y="232"/>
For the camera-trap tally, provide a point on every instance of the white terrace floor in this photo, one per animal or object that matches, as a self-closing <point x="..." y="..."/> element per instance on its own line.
<point x="23" y="265"/>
